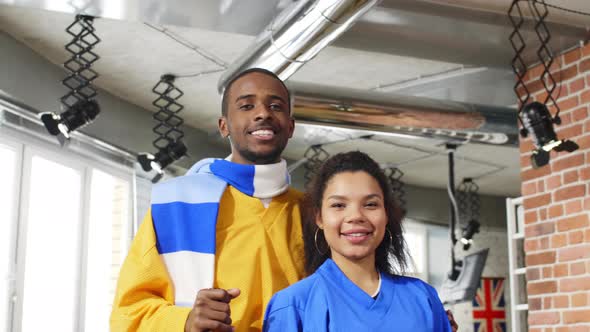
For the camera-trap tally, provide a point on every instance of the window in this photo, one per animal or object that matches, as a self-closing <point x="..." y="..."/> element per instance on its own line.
<point x="74" y="220"/>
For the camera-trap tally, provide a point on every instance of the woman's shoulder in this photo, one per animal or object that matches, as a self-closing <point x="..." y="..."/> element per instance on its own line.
<point x="412" y="284"/>
<point x="295" y="295"/>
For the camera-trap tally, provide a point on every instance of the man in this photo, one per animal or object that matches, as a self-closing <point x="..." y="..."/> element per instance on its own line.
<point x="251" y="241"/>
<point x="227" y="234"/>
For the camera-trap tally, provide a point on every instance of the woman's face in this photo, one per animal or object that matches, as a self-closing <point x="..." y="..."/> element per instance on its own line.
<point x="353" y="215"/>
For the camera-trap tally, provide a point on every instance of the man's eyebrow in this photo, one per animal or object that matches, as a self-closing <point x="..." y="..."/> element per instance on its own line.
<point x="244" y="97"/>
<point x="278" y="97"/>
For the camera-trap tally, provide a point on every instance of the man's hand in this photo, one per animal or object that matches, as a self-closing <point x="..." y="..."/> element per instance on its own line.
<point x="454" y="325"/>
<point x="211" y="311"/>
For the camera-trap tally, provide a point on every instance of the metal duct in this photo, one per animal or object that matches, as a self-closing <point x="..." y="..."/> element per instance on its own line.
<point x="298" y="34"/>
<point x="405" y="115"/>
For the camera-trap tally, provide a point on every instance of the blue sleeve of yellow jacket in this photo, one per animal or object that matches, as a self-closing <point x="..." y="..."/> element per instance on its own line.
<point x="144" y="300"/>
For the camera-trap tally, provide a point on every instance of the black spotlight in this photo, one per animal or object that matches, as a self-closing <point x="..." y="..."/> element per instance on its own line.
<point x="537" y="121"/>
<point x="79" y="115"/>
<point x="168" y="129"/>
<point x="163" y="158"/>
<point x="469" y="230"/>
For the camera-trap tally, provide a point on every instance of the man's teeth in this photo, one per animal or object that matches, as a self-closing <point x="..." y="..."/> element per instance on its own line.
<point x="262" y="133"/>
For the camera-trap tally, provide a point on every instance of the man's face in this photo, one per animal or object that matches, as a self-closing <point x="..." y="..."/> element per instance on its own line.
<point x="258" y="120"/>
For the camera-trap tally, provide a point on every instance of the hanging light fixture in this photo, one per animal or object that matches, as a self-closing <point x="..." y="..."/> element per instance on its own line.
<point x="79" y="103"/>
<point x="535" y="117"/>
<point x="169" y="141"/>
<point x="394" y="175"/>
<point x="315" y="155"/>
<point x="469" y="206"/>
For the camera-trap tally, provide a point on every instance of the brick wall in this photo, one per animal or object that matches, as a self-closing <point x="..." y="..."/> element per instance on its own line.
<point x="556" y="203"/>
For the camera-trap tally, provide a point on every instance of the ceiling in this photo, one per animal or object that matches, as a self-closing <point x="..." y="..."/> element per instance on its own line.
<point x="411" y="59"/>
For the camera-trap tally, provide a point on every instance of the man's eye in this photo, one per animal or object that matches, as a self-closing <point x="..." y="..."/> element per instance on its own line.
<point x="276" y="107"/>
<point x="246" y="107"/>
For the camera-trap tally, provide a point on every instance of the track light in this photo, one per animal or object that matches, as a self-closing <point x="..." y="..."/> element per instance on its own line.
<point x="537" y="121"/>
<point x="168" y="129"/>
<point x="469" y="230"/>
<point x="79" y="102"/>
<point x="79" y="115"/>
<point x="162" y="159"/>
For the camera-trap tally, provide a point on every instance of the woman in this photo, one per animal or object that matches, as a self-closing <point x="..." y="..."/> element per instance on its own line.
<point x="355" y="252"/>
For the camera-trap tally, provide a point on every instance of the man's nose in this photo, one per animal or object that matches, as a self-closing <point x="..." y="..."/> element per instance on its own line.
<point x="262" y="112"/>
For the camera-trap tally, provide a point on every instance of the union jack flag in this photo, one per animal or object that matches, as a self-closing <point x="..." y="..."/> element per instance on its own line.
<point x="489" y="313"/>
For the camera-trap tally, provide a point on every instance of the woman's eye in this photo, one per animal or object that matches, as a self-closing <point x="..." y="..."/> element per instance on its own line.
<point x="337" y="205"/>
<point x="372" y="204"/>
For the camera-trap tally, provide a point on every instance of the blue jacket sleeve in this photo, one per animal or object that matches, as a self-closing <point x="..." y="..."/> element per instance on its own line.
<point x="282" y="318"/>
<point x="441" y="320"/>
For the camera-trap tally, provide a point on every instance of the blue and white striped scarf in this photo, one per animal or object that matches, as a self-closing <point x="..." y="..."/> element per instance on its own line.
<point x="184" y="215"/>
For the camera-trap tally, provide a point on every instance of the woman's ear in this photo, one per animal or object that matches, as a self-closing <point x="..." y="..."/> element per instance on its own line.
<point x="318" y="221"/>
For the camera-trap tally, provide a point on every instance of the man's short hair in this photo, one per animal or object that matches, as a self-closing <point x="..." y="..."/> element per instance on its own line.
<point x="224" y="101"/>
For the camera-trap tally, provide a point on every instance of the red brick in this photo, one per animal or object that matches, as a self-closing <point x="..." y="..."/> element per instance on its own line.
<point x="540" y="186"/>
<point x="585" y="97"/>
<point x="572" y="56"/>
<point x="530" y="217"/>
<point x="544" y="243"/>
<point x="585" y="50"/>
<point x="555" y="211"/>
<point x="580" y="300"/>
<point x="542" y="287"/>
<point x="568" y="162"/>
<point x="535" y="304"/>
<point x="570" y="132"/>
<point x="585" y="172"/>
<point x="540" y="259"/>
<point x="575" y="237"/>
<point x="547" y="302"/>
<point x="553" y="182"/>
<point x="567" y="73"/>
<point x="533" y="274"/>
<point x="542" y="214"/>
<point x="580" y="114"/>
<point x="570" y="176"/>
<point x="539" y="229"/>
<point x="531" y="245"/>
<point x="574" y="222"/>
<point x="561" y="270"/>
<point x="547" y="272"/>
<point x="532" y="173"/>
<point x="561" y="301"/>
<point x="529" y="188"/>
<point x="533" y="73"/>
<point x="574" y="284"/>
<point x="543" y="318"/>
<point x="566" y="104"/>
<point x="587" y="235"/>
<point x="583" y="141"/>
<point x="574" y="191"/>
<point x="573" y="207"/>
<point x="537" y="201"/>
<point x="576" y="316"/>
<point x="558" y="240"/>
<point x="585" y="66"/>
<point x="573" y="253"/>
<point x="577" y="268"/>
<point x="577" y="84"/>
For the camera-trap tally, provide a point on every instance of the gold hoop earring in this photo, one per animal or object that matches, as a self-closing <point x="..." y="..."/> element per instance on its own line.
<point x="315" y="241"/>
<point x="390" y="237"/>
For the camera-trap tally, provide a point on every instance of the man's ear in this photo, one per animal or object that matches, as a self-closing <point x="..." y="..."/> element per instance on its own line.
<point x="223" y="127"/>
<point x="292" y="127"/>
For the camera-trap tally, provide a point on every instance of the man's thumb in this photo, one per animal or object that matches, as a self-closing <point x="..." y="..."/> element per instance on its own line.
<point x="233" y="292"/>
